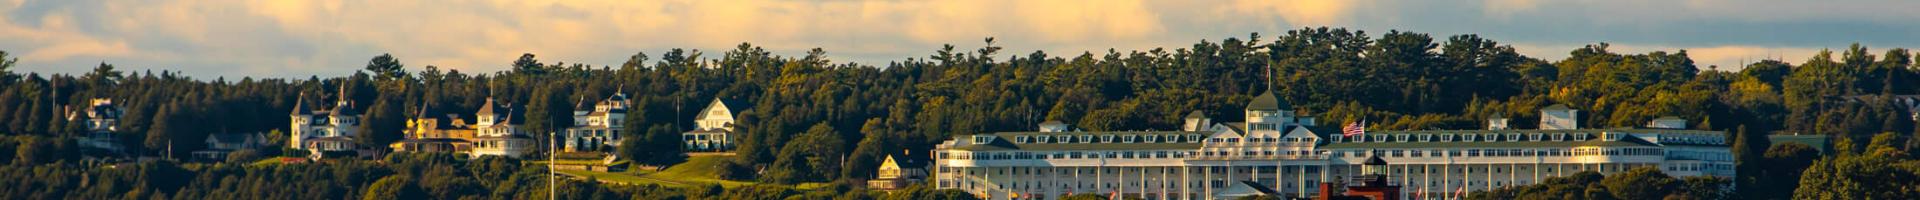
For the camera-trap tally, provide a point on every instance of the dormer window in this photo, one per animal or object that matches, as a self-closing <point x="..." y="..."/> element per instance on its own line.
<point x="1086" y="138"/>
<point x="1470" y="137"/>
<point x="1379" y="138"/>
<point x="1582" y="136"/>
<point x="1106" y="138"/>
<point x="1020" y="139"/>
<point x="1513" y="137"/>
<point x="1400" y="138"/>
<point x="982" y="139"/>
<point x="1493" y="137"/>
<point x="1446" y="138"/>
<point x="1064" y="138"/>
<point x="1536" y="136"/>
<point x="1172" y="138"/>
<point x="1043" y="138"/>
<point x="1193" y="137"/>
<point x="1127" y="139"/>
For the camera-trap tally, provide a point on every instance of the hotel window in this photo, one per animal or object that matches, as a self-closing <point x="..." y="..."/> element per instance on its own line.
<point x="1582" y="136"/>
<point x="1106" y="138"/>
<point x="1172" y="138"/>
<point x="1151" y="138"/>
<point x="1127" y="138"/>
<point x="1559" y="137"/>
<point x="1469" y="137"/>
<point x="1064" y="138"/>
<point x="1043" y="138"/>
<point x="1417" y="153"/>
<point x="1379" y="138"/>
<point x="1193" y="137"/>
<point x="1086" y="138"/>
<point x="1493" y="137"/>
<point x="1020" y="139"/>
<point x="1446" y="138"/>
<point x="1426" y="137"/>
<point x="1400" y="138"/>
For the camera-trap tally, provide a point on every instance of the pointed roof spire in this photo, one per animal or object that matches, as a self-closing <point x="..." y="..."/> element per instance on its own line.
<point x="422" y="113"/>
<point x="342" y="101"/>
<point x="582" y="104"/>
<point x="487" y="108"/>
<point x="300" y="105"/>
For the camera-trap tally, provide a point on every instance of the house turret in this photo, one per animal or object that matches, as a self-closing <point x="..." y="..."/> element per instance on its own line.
<point x="1268" y="112"/>
<point x="1559" y="117"/>
<point x="1196" y="121"/>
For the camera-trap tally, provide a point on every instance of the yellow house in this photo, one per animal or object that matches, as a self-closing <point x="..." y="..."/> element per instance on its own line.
<point x="897" y="173"/>
<point x="431" y="134"/>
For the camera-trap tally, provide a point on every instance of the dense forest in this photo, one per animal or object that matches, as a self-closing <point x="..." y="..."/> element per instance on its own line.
<point x="809" y="111"/>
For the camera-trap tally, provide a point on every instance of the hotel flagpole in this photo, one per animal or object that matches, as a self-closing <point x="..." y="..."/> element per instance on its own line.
<point x="551" y="172"/>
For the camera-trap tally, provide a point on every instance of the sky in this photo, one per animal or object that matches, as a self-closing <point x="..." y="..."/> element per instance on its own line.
<point x="298" y="39"/>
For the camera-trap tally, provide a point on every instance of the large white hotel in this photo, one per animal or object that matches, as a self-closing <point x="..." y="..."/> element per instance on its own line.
<point x="1292" y="156"/>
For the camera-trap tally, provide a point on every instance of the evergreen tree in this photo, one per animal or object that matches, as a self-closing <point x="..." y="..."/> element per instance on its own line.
<point x="382" y="124"/>
<point x="386" y="67"/>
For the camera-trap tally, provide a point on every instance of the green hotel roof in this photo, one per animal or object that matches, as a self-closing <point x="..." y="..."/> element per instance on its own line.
<point x="1004" y="142"/>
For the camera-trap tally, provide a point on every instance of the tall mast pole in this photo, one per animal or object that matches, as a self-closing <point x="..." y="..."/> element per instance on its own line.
<point x="551" y="173"/>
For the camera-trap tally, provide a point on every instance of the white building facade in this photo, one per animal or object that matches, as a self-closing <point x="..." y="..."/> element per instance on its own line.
<point x="324" y="130"/>
<point x="712" y="127"/>
<point x="597" y="125"/>
<point x="498" y="132"/>
<point x="1293" y="155"/>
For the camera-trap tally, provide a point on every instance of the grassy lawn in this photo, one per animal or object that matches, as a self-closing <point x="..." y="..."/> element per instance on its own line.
<point x="698" y="170"/>
<point x="568" y="162"/>
<point x="623" y="178"/>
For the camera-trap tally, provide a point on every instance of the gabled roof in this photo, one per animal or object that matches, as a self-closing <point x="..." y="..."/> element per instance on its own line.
<point x="1314" y="131"/>
<point x="1268" y="101"/>
<point x="904" y="161"/>
<point x="229" y="137"/>
<point x="1556" y="107"/>
<point x="733" y="107"/>
<point x="1374" y="160"/>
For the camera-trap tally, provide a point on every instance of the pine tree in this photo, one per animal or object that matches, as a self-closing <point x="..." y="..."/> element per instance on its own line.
<point x="160" y="135"/>
<point x="1748" y="158"/>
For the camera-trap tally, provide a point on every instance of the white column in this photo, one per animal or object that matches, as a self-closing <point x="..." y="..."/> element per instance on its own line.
<point x="1426" y="180"/>
<point x="1206" y="185"/>
<point x="1186" y="181"/>
<point x="1302" y="187"/>
<point x="1163" y="182"/>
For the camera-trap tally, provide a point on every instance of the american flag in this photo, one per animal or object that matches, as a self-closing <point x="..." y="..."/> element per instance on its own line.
<point x="1460" y="193"/>
<point x="1354" y="128"/>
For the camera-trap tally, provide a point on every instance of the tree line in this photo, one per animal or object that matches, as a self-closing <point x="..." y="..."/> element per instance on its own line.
<point x="812" y="119"/>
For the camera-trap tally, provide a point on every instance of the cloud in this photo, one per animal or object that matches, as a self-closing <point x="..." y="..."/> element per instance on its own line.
<point x="1504" y="9"/>
<point x="1735" y="57"/>
<point x="278" y="38"/>
<point x="1298" y="13"/>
